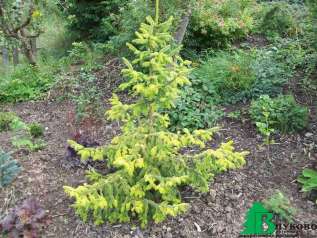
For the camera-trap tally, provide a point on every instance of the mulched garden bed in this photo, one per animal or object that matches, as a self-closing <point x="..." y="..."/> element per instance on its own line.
<point x="219" y="213"/>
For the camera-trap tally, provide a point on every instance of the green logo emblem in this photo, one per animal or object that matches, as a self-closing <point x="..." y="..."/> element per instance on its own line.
<point x="258" y="221"/>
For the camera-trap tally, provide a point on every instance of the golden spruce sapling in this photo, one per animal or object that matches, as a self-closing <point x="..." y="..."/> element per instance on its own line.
<point x="149" y="168"/>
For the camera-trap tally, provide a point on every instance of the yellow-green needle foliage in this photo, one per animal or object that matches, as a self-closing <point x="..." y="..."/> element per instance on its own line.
<point x="149" y="168"/>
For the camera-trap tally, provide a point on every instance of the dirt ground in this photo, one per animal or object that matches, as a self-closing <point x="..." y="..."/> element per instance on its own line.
<point x="219" y="213"/>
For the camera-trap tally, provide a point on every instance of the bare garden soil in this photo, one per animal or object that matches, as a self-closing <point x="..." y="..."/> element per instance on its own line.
<point x="219" y="213"/>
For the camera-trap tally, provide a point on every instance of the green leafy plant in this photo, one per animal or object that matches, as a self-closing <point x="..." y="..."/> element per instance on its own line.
<point x="264" y="127"/>
<point x="271" y="73"/>
<point x="25" y="136"/>
<point x="280" y="205"/>
<point x="6" y="118"/>
<point x="226" y="78"/>
<point x="9" y="169"/>
<point x="36" y="130"/>
<point x="26" y="82"/>
<point x="195" y="108"/>
<point x="218" y="23"/>
<point x="281" y="113"/>
<point x="87" y="98"/>
<point x="149" y="169"/>
<point x="24" y="142"/>
<point x="18" y="125"/>
<point x="308" y="179"/>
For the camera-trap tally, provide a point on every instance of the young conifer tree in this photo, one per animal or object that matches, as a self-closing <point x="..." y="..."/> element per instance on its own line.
<point x="9" y="169"/>
<point x="149" y="168"/>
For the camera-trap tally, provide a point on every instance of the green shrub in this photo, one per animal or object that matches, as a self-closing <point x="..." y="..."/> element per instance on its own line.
<point x="284" y="114"/>
<point x="36" y="130"/>
<point x="243" y="75"/>
<point x="6" y="118"/>
<point x="9" y="169"/>
<point x="281" y="206"/>
<point x="218" y="23"/>
<point x="278" y="19"/>
<point x="227" y="77"/>
<point x="149" y="170"/>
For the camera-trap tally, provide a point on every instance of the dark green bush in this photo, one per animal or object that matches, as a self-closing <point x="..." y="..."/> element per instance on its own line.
<point x="95" y="20"/>
<point x="36" y="130"/>
<point x="284" y="114"/>
<point x="278" y="19"/>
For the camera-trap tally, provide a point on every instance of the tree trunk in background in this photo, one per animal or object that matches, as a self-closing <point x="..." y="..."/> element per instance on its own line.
<point x="5" y="56"/>
<point x="15" y="56"/>
<point x="182" y="28"/>
<point x="28" y="51"/>
<point x="34" y="46"/>
<point x="27" y="47"/>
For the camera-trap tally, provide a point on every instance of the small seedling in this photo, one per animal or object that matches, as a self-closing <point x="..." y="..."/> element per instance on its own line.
<point x="280" y="205"/>
<point x="265" y="129"/>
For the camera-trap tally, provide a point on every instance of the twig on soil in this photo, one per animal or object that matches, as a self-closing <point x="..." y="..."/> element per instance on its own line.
<point x="191" y="197"/>
<point x="59" y="215"/>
